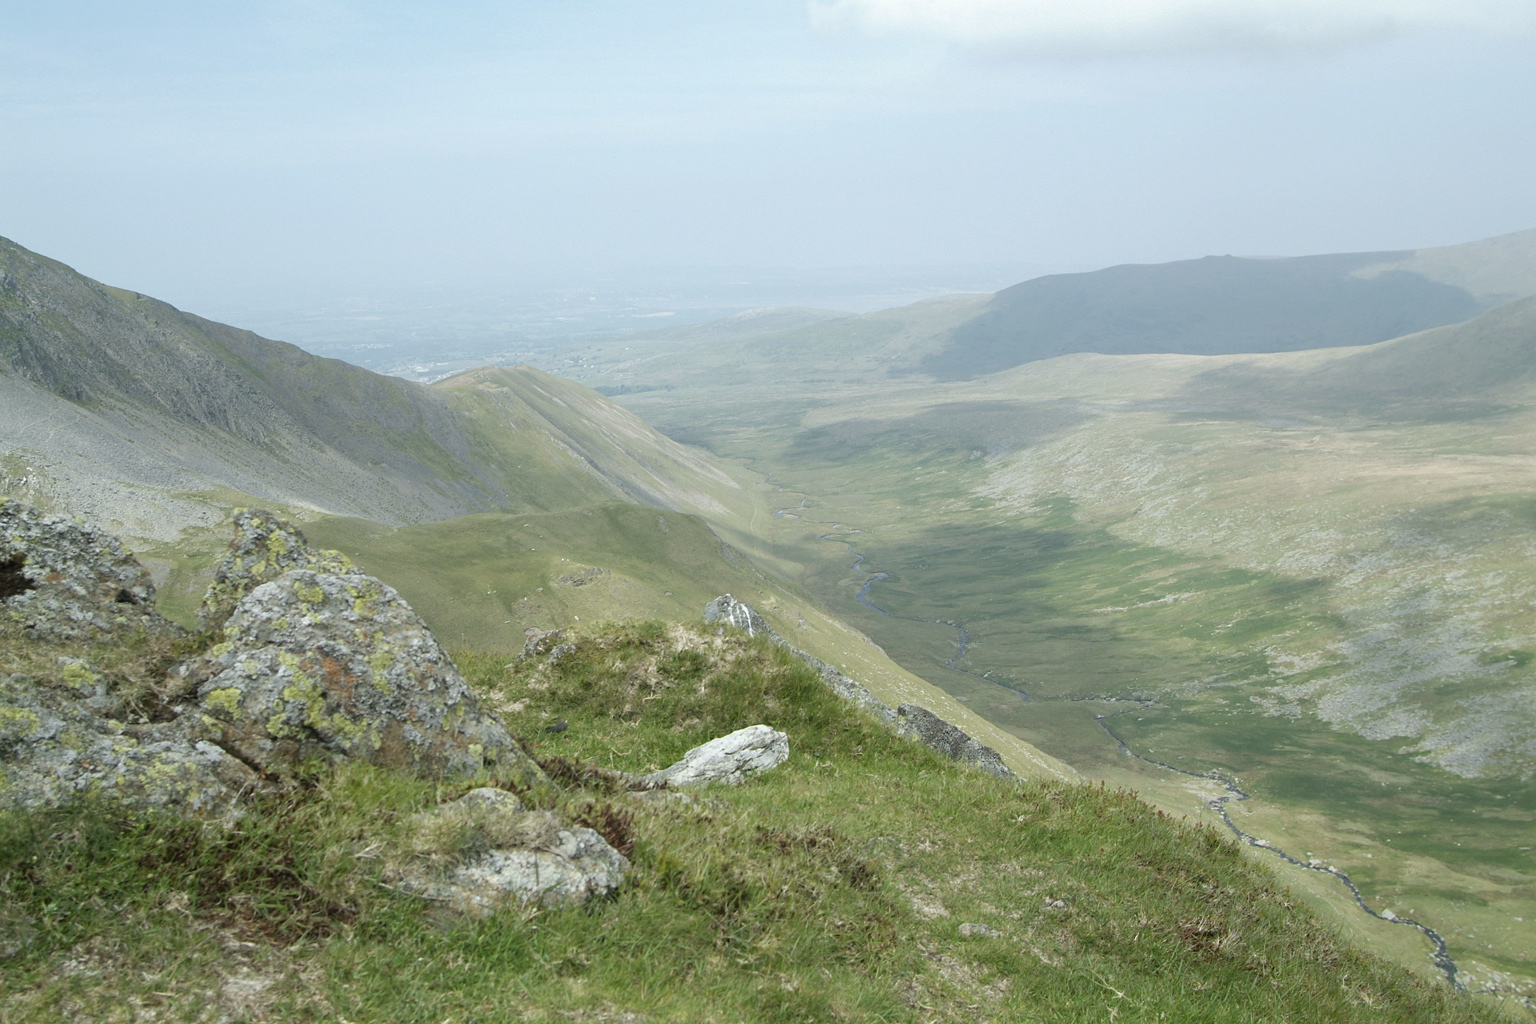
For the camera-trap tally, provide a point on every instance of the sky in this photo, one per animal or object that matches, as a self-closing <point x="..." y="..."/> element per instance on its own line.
<point x="213" y="154"/>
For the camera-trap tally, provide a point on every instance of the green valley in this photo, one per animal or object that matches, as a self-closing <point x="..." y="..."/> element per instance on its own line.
<point x="1301" y="578"/>
<point x="1308" y="571"/>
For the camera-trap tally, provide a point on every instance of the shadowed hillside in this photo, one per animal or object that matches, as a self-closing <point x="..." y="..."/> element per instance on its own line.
<point x="1462" y="370"/>
<point x="1210" y="306"/>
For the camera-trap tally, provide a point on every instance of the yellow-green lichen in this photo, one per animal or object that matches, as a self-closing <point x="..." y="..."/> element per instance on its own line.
<point x="304" y="692"/>
<point x="334" y="562"/>
<point x="226" y="700"/>
<point x="381" y="661"/>
<point x="18" y="723"/>
<point x="79" y="675"/>
<point x="363" y="597"/>
<point x="309" y="593"/>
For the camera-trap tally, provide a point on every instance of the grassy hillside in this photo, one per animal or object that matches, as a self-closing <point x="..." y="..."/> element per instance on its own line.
<point x="865" y="879"/>
<point x="1464" y="371"/>
<point x="1308" y="571"/>
<point x="1495" y="270"/>
<point x="479" y="582"/>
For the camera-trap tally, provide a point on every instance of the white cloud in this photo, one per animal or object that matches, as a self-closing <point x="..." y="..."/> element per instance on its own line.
<point x="1160" y="26"/>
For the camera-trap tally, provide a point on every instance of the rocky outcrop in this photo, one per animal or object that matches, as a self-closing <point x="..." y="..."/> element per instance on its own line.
<point x="728" y="611"/>
<point x="321" y="666"/>
<point x="909" y="719"/>
<point x="59" y="744"/>
<point x="485" y="849"/>
<point x="950" y="740"/>
<point x="730" y="759"/>
<point x="313" y="666"/>
<point x="539" y="643"/>
<point x="264" y="547"/>
<point x="63" y="580"/>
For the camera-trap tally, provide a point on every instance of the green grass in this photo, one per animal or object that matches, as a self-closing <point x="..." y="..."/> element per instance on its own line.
<point x="832" y="888"/>
<point x="481" y="580"/>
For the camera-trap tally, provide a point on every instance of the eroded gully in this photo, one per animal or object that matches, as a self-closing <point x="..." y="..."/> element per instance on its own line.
<point x="839" y="533"/>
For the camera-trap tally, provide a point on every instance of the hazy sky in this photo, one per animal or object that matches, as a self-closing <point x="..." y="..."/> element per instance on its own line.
<point x="200" y="151"/>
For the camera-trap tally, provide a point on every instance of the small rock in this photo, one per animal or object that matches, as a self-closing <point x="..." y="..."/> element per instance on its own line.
<point x="580" y="579"/>
<point x="978" y="931"/>
<point x="559" y="726"/>
<point x="501" y="851"/>
<point x="578" y="865"/>
<point x="539" y="642"/>
<point x="489" y="796"/>
<point x="731" y="612"/>
<point x="729" y="759"/>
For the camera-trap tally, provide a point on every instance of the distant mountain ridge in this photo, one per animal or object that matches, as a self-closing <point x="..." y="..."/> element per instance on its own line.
<point x="1218" y="305"/>
<point x="124" y="404"/>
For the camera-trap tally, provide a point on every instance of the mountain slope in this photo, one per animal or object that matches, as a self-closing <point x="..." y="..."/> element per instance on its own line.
<point x="123" y="406"/>
<point x="1210" y="306"/>
<point x="1465" y="369"/>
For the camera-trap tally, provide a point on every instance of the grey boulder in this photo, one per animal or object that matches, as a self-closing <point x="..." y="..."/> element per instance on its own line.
<point x="730" y="759"/>
<point x="315" y="666"/>
<point x="55" y="749"/>
<point x="728" y="611"/>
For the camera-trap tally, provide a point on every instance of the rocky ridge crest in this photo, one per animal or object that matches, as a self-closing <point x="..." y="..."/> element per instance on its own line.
<point x="909" y="719"/>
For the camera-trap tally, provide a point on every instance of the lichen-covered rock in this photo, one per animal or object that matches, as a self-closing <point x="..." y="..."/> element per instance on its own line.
<point x="484" y="849"/>
<point x="320" y="666"/>
<point x="64" y="580"/>
<point x="729" y="759"/>
<point x="726" y="610"/>
<point x="55" y="748"/>
<point x="264" y="547"/>
<point x="950" y="740"/>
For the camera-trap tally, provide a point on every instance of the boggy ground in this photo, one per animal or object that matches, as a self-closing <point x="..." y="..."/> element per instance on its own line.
<point x="864" y="880"/>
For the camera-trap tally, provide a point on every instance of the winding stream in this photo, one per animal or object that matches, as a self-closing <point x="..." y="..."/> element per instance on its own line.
<point x="1441" y="954"/>
<point x="1234" y="794"/>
